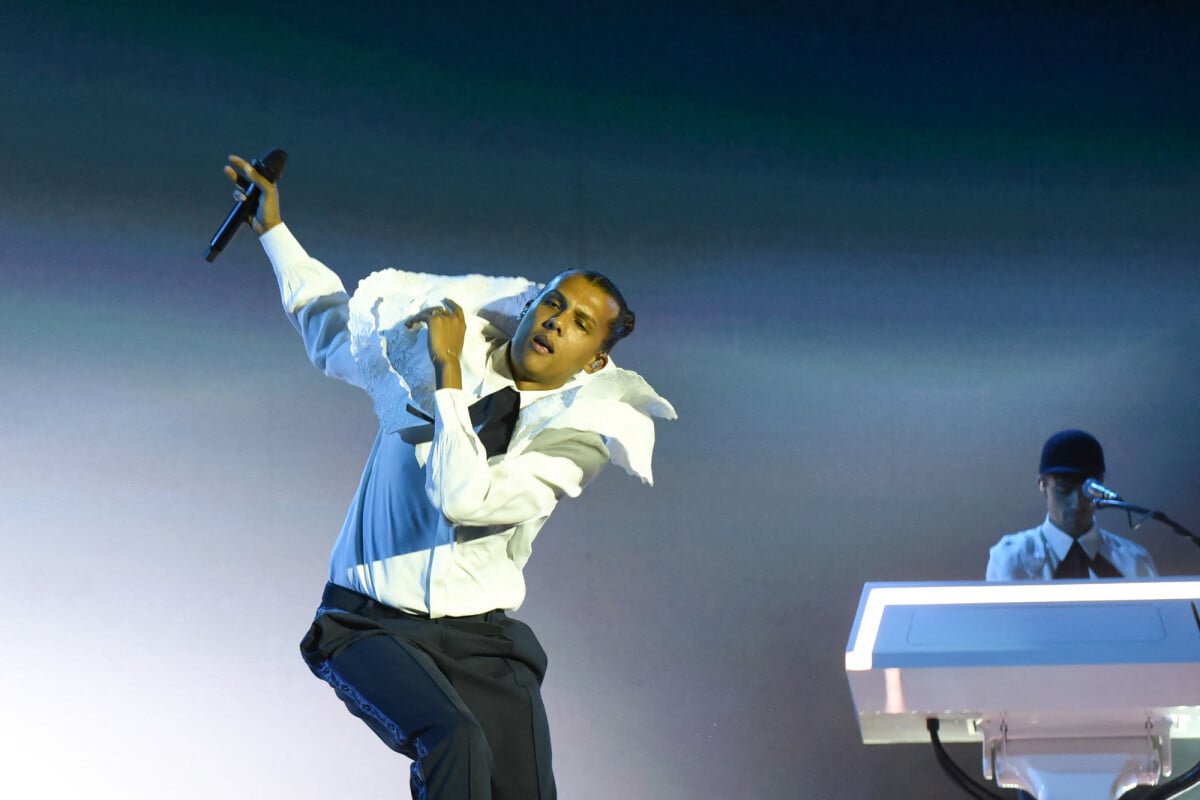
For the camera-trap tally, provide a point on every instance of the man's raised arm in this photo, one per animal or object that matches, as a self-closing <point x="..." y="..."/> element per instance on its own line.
<point x="313" y="296"/>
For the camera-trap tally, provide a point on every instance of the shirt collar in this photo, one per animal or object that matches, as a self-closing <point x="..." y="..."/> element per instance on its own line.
<point x="498" y="375"/>
<point x="1060" y="541"/>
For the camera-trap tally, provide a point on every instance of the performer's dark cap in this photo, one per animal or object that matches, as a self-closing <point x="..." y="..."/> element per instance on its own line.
<point x="1073" y="452"/>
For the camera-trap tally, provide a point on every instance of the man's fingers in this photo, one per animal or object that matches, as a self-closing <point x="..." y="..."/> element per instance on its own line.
<point x="427" y="314"/>
<point x="237" y="178"/>
<point x="252" y="174"/>
<point x="424" y="315"/>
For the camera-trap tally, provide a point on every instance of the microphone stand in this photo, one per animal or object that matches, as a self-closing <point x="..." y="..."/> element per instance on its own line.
<point x="1130" y="509"/>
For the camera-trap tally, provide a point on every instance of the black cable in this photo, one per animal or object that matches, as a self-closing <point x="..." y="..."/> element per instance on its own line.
<point x="1176" y="786"/>
<point x="1164" y="791"/>
<point x="956" y="773"/>
<point x="960" y="777"/>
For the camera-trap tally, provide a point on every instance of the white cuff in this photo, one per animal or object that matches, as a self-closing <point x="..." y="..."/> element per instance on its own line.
<point x="301" y="278"/>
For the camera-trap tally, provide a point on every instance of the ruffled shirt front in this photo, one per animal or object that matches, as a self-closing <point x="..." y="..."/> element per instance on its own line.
<point x="393" y="361"/>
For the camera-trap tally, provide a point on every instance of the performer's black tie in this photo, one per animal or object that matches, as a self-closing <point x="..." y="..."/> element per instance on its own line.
<point x="1104" y="568"/>
<point x="1076" y="564"/>
<point x="493" y="417"/>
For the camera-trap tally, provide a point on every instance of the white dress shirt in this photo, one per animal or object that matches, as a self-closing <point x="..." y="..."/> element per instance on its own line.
<point x="438" y="528"/>
<point x="1035" y="554"/>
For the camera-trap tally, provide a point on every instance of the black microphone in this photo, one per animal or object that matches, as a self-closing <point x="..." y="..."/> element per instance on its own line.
<point x="1098" y="491"/>
<point x="270" y="167"/>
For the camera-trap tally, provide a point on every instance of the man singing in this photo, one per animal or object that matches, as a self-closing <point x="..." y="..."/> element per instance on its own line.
<point x="482" y="432"/>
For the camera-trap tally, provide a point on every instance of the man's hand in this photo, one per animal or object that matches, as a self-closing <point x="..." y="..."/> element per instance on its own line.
<point x="447" y="329"/>
<point x="267" y="216"/>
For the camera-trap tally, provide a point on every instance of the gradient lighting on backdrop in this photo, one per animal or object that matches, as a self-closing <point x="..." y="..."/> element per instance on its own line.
<point x="877" y="255"/>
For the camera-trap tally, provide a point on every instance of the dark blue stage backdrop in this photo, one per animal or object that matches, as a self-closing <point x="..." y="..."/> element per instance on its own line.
<point x="879" y="251"/>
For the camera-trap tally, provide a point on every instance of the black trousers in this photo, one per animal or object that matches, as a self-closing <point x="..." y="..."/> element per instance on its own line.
<point x="460" y="696"/>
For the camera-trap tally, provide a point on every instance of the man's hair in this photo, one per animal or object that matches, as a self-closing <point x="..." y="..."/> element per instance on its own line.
<point x="622" y="324"/>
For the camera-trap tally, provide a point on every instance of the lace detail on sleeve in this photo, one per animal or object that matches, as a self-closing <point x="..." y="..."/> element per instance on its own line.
<point x="394" y="361"/>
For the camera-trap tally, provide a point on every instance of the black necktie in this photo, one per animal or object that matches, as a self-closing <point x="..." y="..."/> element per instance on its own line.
<point x="1076" y="565"/>
<point x="493" y="417"/>
<point x="1104" y="568"/>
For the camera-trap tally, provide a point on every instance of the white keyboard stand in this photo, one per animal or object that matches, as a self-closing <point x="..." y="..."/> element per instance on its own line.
<point x="1074" y="688"/>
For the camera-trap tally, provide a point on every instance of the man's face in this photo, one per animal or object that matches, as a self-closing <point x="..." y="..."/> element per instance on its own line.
<point x="562" y="333"/>
<point x="1066" y="503"/>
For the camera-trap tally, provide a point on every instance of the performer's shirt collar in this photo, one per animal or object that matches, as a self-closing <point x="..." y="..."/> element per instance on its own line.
<point x="1060" y="541"/>
<point x="498" y="375"/>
